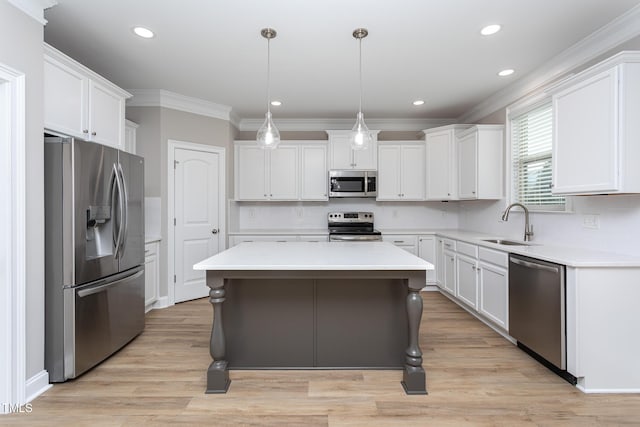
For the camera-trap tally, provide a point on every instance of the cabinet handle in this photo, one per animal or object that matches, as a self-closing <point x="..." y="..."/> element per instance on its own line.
<point x="399" y="195"/>
<point x="448" y="194"/>
<point x="473" y="192"/>
<point x="214" y="231"/>
<point x="473" y="267"/>
<point x="398" y="241"/>
<point x="93" y="133"/>
<point x="85" y="130"/>
<point x="448" y="245"/>
<point x="270" y="195"/>
<point x="265" y="195"/>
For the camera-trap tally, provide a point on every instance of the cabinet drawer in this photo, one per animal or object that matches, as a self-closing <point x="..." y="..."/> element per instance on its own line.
<point x="467" y="249"/>
<point x="400" y="240"/>
<point x="448" y="244"/>
<point x="150" y="249"/>
<point x="494" y="257"/>
<point x="235" y="240"/>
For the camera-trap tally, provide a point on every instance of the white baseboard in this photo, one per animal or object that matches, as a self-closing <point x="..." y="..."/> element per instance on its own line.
<point x="36" y="385"/>
<point x="430" y="288"/>
<point x="162" y="302"/>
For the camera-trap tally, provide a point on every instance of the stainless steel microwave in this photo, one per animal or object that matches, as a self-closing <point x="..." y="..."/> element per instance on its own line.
<point x="352" y="183"/>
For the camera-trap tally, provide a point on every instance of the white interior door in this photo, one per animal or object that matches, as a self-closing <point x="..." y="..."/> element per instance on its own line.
<point x="197" y="220"/>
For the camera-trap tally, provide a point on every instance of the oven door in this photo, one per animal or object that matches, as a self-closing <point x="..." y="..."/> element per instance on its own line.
<point x="347" y="183"/>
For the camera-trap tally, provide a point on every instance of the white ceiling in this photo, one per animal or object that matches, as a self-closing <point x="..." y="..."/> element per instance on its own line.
<point x="427" y="49"/>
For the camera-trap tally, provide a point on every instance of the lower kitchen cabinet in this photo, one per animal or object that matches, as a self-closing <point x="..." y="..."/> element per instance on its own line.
<point x="449" y="270"/>
<point x="408" y="243"/>
<point x="237" y="239"/>
<point x="427" y="251"/>
<point x="493" y="301"/>
<point x="151" y="274"/>
<point x="467" y="275"/>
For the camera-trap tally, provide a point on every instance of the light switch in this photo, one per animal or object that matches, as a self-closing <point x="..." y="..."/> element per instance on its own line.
<point x="591" y="221"/>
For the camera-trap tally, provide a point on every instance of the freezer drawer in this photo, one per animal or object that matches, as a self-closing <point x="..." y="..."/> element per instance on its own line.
<point x="106" y="315"/>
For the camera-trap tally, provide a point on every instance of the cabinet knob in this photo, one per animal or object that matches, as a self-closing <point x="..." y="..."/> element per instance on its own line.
<point x="85" y="130"/>
<point x="473" y="192"/>
<point x="214" y="231"/>
<point x="93" y="133"/>
<point x="448" y="194"/>
<point x="270" y="195"/>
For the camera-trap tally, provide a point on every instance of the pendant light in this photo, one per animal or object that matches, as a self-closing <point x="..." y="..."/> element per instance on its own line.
<point x="268" y="135"/>
<point x="360" y="134"/>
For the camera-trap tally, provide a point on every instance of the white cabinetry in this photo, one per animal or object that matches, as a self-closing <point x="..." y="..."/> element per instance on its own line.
<point x="130" y="130"/>
<point x="237" y="239"/>
<point x="401" y="171"/>
<point x="439" y="248"/>
<point x="151" y="274"/>
<point x="596" y="129"/>
<point x="292" y="171"/>
<point x="427" y="251"/>
<point x="442" y="168"/>
<point x="408" y="243"/>
<point x="80" y="103"/>
<point x="493" y="300"/>
<point x="449" y="271"/>
<point x="342" y="156"/>
<point x="467" y="273"/>
<point x="313" y="161"/>
<point x="480" y="162"/>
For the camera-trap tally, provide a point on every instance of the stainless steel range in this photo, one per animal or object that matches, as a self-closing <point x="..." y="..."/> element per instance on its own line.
<point x="352" y="227"/>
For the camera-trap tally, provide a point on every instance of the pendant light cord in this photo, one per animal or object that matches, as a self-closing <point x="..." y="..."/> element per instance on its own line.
<point x="268" y="75"/>
<point x="360" y="49"/>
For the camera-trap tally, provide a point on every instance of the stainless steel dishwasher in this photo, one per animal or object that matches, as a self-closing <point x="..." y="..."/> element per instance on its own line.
<point x="537" y="310"/>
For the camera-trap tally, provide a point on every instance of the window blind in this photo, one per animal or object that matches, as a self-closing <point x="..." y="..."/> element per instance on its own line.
<point x="531" y="139"/>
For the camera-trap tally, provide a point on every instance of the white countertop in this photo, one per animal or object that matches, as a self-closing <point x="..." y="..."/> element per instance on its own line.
<point x="314" y="256"/>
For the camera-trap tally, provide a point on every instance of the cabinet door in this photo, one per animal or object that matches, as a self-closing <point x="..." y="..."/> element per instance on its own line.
<point x="389" y="172"/>
<point x="106" y="116"/>
<point x="314" y="172"/>
<point x="413" y="178"/>
<point x="283" y="173"/>
<point x="65" y="99"/>
<point x="150" y="274"/>
<point x="440" y="262"/>
<point x="250" y="173"/>
<point x="427" y="251"/>
<point x="439" y="153"/>
<point x="366" y="159"/>
<point x="494" y="294"/>
<point x="341" y="152"/>
<point x="449" y="270"/>
<point x="467" y="275"/>
<point x="468" y="166"/>
<point x="585" y="149"/>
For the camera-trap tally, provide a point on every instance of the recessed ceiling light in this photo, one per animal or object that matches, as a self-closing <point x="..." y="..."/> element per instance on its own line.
<point x="143" y="32"/>
<point x="490" y="29"/>
<point x="276" y="103"/>
<point x="507" y="72"/>
<point x="418" y="102"/>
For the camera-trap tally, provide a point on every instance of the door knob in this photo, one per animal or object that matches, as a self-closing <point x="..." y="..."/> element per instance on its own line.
<point x="214" y="231"/>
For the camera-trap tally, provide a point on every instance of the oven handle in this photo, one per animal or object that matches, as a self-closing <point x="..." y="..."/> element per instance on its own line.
<point x="354" y="238"/>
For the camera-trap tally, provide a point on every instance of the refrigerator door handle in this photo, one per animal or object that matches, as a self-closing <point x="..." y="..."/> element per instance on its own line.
<point x="125" y="204"/>
<point x="97" y="289"/>
<point x="120" y="223"/>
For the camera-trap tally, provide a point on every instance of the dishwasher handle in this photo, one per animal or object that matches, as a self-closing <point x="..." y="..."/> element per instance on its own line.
<point x="535" y="265"/>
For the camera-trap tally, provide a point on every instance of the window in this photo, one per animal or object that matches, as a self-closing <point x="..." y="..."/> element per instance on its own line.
<point x="531" y="139"/>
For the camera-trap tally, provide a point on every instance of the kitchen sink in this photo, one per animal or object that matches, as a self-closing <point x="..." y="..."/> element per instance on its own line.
<point x="506" y="242"/>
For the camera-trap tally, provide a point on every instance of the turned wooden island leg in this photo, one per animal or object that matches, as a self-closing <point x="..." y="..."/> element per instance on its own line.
<point x="413" y="378"/>
<point x="217" y="375"/>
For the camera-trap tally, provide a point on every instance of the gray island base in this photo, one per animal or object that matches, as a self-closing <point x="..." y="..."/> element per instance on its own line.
<point x="289" y="317"/>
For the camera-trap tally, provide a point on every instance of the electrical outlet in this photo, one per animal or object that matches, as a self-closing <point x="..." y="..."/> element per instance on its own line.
<point x="299" y="212"/>
<point x="591" y="221"/>
<point x="252" y="213"/>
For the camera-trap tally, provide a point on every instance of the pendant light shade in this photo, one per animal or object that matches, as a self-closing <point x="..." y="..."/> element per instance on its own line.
<point x="360" y="134"/>
<point x="268" y="135"/>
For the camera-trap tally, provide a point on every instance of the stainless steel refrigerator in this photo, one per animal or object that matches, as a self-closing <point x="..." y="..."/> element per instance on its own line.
<point x="94" y="253"/>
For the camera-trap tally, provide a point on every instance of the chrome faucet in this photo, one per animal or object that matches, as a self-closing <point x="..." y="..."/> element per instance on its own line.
<point x="528" y="228"/>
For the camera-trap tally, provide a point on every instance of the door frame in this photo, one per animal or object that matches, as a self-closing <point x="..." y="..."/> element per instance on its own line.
<point x="222" y="197"/>
<point x="13" y="373"/>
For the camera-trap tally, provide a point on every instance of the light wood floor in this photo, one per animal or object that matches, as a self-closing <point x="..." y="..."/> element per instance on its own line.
<point x="474" y="376"/>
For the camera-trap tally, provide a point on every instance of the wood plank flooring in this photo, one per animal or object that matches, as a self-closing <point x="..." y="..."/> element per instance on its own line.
<point x="474" y="377"/>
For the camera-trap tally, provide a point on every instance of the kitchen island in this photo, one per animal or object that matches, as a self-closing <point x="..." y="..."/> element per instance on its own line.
<point x="315" y="305"/>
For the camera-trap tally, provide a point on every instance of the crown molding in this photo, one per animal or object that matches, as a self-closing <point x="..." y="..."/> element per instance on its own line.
<point x="302" y="125"/>
<point x="34" y="8"/>
<point x="175" y="101"/>
<point x="616" y="32"/>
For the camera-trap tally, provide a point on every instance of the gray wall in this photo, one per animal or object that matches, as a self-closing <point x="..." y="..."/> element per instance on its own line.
<point x="21" y="48"/>
<point x="157" y="126"/>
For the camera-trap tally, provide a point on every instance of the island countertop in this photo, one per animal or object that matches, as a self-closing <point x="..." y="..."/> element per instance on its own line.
<point x="314" y="256"/>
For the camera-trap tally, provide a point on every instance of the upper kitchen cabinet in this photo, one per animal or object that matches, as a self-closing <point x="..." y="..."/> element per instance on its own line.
<point x="292" y="171"/>
<point x="80" y="103"/>
<point x="342" y="156"/>
<point x="401" y="170"/>
<point x="596" y="129"/>
<point x="442" y="167"/>
<point x="480" y="153"/>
